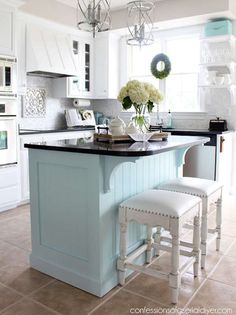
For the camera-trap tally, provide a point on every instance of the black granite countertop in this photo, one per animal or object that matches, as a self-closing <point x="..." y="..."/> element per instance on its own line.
<point x="194" y="132"/>
<point x="39" y="131"/>
<point x="120" y="149"/>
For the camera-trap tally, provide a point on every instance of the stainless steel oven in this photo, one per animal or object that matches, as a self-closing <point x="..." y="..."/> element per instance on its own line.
<point x="8" y="132"/>
<point x="7" y="76"/>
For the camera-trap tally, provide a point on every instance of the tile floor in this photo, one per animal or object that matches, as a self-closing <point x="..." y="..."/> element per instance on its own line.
<point x="25" y="291"/>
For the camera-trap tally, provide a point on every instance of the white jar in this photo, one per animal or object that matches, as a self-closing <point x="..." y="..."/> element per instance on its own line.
<point x="117" y="126"/>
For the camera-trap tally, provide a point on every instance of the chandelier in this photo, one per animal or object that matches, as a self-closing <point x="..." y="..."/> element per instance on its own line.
<point x="95" y="15"/>
<point x="140" y="23"/>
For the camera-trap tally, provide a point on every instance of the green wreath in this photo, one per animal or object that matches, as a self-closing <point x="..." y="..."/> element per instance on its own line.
<point x="166" y="71"/>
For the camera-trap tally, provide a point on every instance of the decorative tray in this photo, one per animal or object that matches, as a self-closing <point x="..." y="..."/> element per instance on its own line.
<point x="157" y="136"/>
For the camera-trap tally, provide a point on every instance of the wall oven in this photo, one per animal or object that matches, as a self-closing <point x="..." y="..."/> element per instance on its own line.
<point x="7" y="76"/>
<point x="8" y="132"/>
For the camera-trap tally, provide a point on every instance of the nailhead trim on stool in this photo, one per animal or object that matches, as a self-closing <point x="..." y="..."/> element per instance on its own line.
<point x="169" y="210"/>
<point x="210" y="192"/>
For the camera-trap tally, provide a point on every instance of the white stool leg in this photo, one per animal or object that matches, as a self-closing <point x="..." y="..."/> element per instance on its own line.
<point x="218" y="222"/>
<point x="196" y="245"/>
<point x="174" y="278"/>
<point x="149" y="245"/>
<point x="123" y="251"/>
<point x="204" y="231"/>
<point x="157" y="240"/>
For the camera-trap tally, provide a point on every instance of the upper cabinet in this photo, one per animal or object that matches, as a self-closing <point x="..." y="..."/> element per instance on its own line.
<point x="81" y="85"/>
<point x="106" y="70"/>
<point x="7" y="30"/>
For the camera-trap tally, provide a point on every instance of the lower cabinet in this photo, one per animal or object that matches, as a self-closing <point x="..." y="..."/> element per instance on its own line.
<point x="9" y="187"/>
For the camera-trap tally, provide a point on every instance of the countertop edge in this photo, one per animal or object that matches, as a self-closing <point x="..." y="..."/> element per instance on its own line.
<point x="110" y="152"/>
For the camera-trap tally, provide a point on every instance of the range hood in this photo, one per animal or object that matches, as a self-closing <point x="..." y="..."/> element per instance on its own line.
<point x="49" y="53"/>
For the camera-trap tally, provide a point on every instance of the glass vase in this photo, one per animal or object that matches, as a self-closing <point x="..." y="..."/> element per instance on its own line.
<point x="141" y="122"/>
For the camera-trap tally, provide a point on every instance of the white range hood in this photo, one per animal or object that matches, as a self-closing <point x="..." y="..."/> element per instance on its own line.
<point x="49" y="53"/>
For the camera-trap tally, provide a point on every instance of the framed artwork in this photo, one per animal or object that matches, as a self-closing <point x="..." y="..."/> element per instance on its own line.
<point x="34" y="103"/>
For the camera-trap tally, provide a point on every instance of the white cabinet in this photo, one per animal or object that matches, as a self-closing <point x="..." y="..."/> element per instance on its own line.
<point x="7" y="30"/>
<point x="24" y="167"/>
<point x="106" y="70"/>
<point x="9" y="187"/>
<point x="80" y="86"/>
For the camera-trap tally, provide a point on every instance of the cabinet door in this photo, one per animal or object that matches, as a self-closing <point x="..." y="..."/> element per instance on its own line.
<point x="7" y="31"/>
<point x="86" y="69"/>
<point x="106" y="55"/>
<point x="101" y="67"/>
<point x="81" y="86"/>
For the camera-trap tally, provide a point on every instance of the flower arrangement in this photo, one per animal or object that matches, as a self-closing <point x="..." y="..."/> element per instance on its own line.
<point x="142" y="96"/>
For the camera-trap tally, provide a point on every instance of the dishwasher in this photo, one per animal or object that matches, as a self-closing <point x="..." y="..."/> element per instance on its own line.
<point x="213" y="160"/>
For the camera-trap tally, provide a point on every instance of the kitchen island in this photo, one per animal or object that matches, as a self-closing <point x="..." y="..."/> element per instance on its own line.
<point x="75" y="190"/>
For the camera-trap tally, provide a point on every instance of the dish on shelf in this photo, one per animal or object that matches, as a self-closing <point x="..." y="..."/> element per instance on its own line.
<point x="141" y="137"/>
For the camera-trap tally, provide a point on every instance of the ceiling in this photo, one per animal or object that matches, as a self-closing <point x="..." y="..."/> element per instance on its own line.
<point x="115" y="4"/>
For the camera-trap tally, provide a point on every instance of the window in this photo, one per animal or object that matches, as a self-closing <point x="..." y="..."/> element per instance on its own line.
<point x="180" y="88"/>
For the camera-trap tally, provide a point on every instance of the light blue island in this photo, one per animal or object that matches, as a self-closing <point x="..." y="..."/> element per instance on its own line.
<point x="75" y="191"/>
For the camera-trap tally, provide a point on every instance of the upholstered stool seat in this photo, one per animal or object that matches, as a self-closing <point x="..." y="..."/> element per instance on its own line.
<point x="169" y="210"/>
<point x="211" y="193"/>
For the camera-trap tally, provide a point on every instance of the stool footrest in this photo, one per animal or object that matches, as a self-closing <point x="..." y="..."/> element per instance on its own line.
<point x="188" y="226"/>
<point x="212" y="231"/>
<point x="148" y="271"/>
<point x="211" y="237"/>
<point x="136" y="253"/>
<point x="187" y="265"/>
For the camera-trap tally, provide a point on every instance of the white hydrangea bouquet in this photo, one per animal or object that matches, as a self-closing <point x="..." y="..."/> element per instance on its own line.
<point x="142" y="96"/>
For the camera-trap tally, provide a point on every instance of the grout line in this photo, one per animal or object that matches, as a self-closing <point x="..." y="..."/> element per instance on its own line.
<point x="230" y="285"/>
<point x="43" y="305"/>
<point x="120" y="288"/>
<point x="43" y="286"/>
<point x="12" y="289"/>
<point x="229" y="248"/>
<point x="148" y="298"/>
<point x="19" y="247"/>
<point x="106" y="300"/>
<point x="9" y="306"/>
<point x="205" y="279"/>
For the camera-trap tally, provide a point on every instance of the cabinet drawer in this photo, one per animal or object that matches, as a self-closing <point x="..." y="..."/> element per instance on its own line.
<point x="9" y="195"/>
<point x="8" y="177"/>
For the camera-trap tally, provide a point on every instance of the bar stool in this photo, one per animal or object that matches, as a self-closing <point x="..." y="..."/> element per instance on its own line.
<point x="169" y="210"/>
<point x="211" y="193"/>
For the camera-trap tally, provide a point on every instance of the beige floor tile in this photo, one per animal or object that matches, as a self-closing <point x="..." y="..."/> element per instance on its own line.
<point x="68" y="300"/>
<point x="23" y="278"/>
<point x="12" y="255"/>
<point x="225" y="271"/>
<point x="229" y="228"/>
<point x="27" y="307"/>
<point x="232" y="251"/>
<point x="7" y="297"/>
<point x="122" y="303"/>
<point x="215" y="294"/>
<point x="14" y="212"/>
<point x="159" y="290"/>
<point x="16" y="230"/>
<point x="229" y="212"/>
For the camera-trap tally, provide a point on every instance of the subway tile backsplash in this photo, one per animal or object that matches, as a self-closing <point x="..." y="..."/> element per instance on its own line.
<point x="54" y="118"/>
